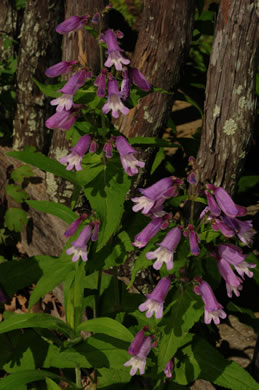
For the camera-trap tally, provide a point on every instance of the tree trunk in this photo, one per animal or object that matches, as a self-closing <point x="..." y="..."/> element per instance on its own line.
<point x="36" y="49"/>
<point x="159" y="55"/>
<point x="230" y="105"/>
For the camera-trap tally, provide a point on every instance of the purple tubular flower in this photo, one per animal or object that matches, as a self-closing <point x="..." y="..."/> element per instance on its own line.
<point x="243" y="229"/>
<point x="142" y="238"/>
<point x="73" y="227"/>
<point x="71" y="24"/>
<point x="108" y="150"/>
<point x="233" y="283"/>
<point x="125" y="86"/>
<point x="63" y="102"/>
<point x="194" y="240"/>
<point x="138" y="79"/>
<point x="234" y="255"/>
<point x="60" y="68"/>
<point x="137" y="342"/>
<point x="96" y="18"/>
<point x="79" y="247"/>
<point x="96" y="231"/>
<point x="63" y="120"/>
<point x="225" y="202"/>
<point x="93" y="147"/>
<point x="165" y="252"/>
<point x="128" y="160"/>
<point x="138" y="361"/>
<point x="168" y="369"/>
<point x="75" y="82"/>
<point x="213" y="309"/>
<point x="73" y="160"/>
<point x="114" y="102"/>
<point x="231" y="253"/>
<point x="213" y="207"/>
<point x="155" y="300"/>
<point x="114" y="51"/>
<point x="223" y="227"/>
<point x="191" y="178"/>
<point x="158" y="192"/>
<point x="100" y="82"/>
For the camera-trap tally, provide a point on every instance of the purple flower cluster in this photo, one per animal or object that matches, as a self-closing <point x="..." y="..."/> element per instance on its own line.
<point x="213" y="309"/>
<point x="139" y="349"/>
<point x="223" y="213"/>
<point x="151" y="204"/>
<point x="79" y="246"/>
<point x="130" y="76"/>
<point x="228" y="256"/>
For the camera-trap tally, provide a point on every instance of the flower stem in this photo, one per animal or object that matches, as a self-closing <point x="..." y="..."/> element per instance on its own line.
<point x="78" y="376"/>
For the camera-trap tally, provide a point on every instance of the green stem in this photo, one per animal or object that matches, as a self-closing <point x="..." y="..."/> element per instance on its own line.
<point x="101" y="67"/>
<point x="97" y="296"/>
<point x="78" y="377"/>
<point x="116" y="289"/>
<point x="192" y="211"/>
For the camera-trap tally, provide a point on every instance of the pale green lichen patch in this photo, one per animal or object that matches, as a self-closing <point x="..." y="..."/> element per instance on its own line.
<point x="242" y="103"/>
<point x="147" y="116"/>
<point x="216" y="111"/>
<point x="230" y="127"/>
<point x="242" y="155"/>
<point x="52" y="186"/>
<point x="238" y="90"/>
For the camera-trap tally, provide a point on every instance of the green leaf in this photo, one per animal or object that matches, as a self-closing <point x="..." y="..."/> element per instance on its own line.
<point x="185" y="311"/>
<point x="15" y="275"/>
<point x="113" y="377"/>
<point x="49" y="89"/>
<point x="152" y="141"/>
<point x="16" y="192"/>
<point x="45" y="163"/>
<point x="104" y="351"/>
<point x="32" y="320"/>
<point x="209" y="235"/>
<point x="190" y="100"/>
<point x="92" y="31"/>
<point x="20" y="173"/>
<point x="247" y="182"/>
<point x="54" y="271"/>
<point x="160" y="156"/>
<point x="114" y="253"/>
<point x="106" y="326"/>
<point x="51" y="385"/>
<point x="18" y="379"/>
<point x="15" y="219"/>
<point x="204" y="361"/>
<point x="20" y="4"/>
<point x="106" y="194"/>
<point x="58" y="209"/>
<point x="22" y="350"/>
<point x="141" y="261"/>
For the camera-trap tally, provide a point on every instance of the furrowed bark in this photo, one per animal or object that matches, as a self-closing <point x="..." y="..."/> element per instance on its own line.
<point x="40" y="19"/>
<point x="161" y="49"/>
<point x="230" y="105"/>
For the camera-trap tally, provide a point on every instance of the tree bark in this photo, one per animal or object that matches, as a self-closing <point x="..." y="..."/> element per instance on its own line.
<point x="161" y="49"/>
<point x="230" y="105"/>
<point x="8" y="26"/>
<point x="36" y="50"/>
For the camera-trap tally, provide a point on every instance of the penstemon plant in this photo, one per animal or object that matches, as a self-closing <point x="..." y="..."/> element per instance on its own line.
<point x="114" y="336"/>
